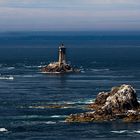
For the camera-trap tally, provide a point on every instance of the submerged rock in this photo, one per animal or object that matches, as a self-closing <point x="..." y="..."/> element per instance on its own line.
<point x="120" y="103"/>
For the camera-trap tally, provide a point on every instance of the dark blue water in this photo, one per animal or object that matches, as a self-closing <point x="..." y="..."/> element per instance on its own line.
<point x="27" y="96"/>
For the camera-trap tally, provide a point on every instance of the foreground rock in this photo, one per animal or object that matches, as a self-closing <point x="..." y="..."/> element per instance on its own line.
<point x="118" y="104"/>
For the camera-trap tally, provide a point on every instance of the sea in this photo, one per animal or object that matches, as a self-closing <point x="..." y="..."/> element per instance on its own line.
<point x="34" y="105"/>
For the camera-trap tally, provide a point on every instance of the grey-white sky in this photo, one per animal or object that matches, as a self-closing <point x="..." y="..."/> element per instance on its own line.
<point x="53" y="15"/>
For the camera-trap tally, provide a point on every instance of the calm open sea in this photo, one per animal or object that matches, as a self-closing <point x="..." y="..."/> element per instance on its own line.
<point x="28" y="97"/>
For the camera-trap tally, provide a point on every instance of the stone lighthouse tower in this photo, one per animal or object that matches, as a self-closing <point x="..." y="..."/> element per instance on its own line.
<point x="62" y="55"/>
<point x="61" y="66"/>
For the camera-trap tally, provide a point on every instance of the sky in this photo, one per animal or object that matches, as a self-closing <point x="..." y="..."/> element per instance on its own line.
<point x="69" y="15"/>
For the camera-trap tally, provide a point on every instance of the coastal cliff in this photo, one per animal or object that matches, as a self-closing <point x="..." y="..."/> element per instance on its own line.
<point x="118" y="104"/>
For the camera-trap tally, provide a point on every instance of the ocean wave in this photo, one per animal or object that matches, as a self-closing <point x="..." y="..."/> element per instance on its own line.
<point x="63" y="103"/>
<point x="6" y="68"/>
<point x="10" y="68"/>
<point x="50" y="122"/>
<point x="52" y="106"/>
<point x="30" y="75"/>
<point x="82" y="71"/>
<point x="54" y="122"/>
<point x="37" y="74"/>
<point x="62" y="121"/>
<point x="3" y="130"/>
<point x="126" y="131"/>
<point x="120" y="131"/>
<point x="87" y="101"/>
<point x="27" y="117"/>
<point x="6" y="78"/>
<point x="50" y="72"/>
<point x="58" y="116"/>
<point x="34" y="66"/>
<point x="99" y="70"/>
<point x="138" y="131"/>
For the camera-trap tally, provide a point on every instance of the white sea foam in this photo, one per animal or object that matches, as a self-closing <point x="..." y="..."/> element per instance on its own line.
<point x="62" y="121"/>
<point x="138" y="131"/>
<point x="34" y="66"/>
<point x="50" y="72"/>
<point x="6" y="78"/>
<point x="30" y="66"/>
<point x="3" y="130"/>
<point x="55" y="116"/>
<point x="58" y="116"/>
<point x="10" y="68"/>
<point x="40" y="66"/>
<point x="82" y="71"/>
<point x="88" y="101"/>
<point x="120" y="131"/>
<point x="31" y="76"/>
<point x="37" y="107"/>
<point x="50" y="122"/>
<point x="126" y="131"/>
<point x="6" y="67"/>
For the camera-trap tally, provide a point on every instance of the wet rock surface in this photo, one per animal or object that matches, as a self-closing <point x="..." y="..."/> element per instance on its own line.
<point x="56" y="68"/>
<point x="119" y="104"/>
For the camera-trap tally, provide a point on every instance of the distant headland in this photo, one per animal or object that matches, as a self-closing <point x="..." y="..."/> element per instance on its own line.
<point x="61" y="66"/>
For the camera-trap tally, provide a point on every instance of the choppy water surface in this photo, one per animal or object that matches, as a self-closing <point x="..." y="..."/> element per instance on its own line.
<point x="33" y="105"/>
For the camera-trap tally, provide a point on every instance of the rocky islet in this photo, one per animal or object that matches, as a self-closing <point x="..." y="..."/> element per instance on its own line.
<point x="120" y="103"/>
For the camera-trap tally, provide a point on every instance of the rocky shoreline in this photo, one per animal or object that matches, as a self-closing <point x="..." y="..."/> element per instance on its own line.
<point x="120" y="103"/>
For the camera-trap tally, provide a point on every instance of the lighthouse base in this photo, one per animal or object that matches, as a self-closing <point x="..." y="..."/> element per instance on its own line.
<point x="57" y="68"/>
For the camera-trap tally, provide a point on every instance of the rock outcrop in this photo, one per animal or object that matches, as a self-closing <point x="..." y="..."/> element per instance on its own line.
<point x="61" y="66"/>
<point x="56" y="68"/>
<point x="119" y="104"/>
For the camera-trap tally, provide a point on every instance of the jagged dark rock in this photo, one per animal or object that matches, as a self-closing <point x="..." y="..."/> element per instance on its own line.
<point x="120" y="103"/>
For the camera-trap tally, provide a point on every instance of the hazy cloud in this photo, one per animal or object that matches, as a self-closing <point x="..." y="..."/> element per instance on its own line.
<point x="69" y="14"/>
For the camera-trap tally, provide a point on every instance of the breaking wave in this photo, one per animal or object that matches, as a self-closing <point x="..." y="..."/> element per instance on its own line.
<point x="34" y="66"/>
<point x="3" y="130"/>
<point x="6" y="78"/>
<point x="88" y="101"/>
<point x="10" y="68"/>
<point x="126" y="131"/>
<point x="50" y="72"/>
<point x="120" y="131"/>
<point x="27" y="117"/>
<point x="50" y="122"/>
<point x="30" y="75"/>
<point x="63" y="103"/>
<point x="59" y="116"/>
<point x="138" y="131"/>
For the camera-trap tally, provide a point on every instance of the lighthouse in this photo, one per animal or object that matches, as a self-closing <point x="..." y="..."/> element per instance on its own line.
<point x="61" y="66"/>
<point x="62" y="55"/>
